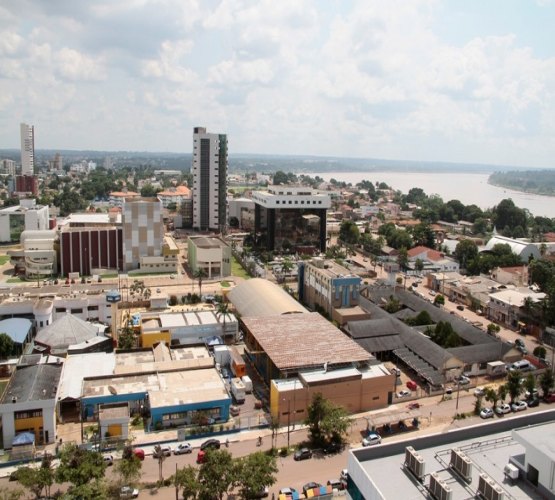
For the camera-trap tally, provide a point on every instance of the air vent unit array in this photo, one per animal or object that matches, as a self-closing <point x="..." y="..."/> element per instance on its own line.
<point x="415" y="463"/>
<point x="489" y="489"/>
<point x="461" y="464"/>
<point x="439" y="489"/>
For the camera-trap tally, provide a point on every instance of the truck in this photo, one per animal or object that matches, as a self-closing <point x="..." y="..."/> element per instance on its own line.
<point x="248" y="383"/>
<point x="237" y="363"/>
<point x="221" y="355"/>
<point x="238" y="390"/>
<point x="496" y="369"/>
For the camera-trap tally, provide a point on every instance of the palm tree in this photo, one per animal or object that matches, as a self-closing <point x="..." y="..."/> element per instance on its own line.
<point x="286" y="266"/>
<point x="199" y="275"/>
<point x="222" y="310"/>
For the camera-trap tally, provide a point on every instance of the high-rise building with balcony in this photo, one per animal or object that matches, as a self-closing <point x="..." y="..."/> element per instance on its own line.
<point x="27" y="149"/>
<point x="209" y="180"/>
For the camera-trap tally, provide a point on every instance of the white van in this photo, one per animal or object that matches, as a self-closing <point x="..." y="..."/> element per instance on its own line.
<point x="523" y="365"/>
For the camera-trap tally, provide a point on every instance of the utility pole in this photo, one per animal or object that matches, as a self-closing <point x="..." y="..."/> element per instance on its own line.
<point x="288" y="421"/>
<point x="176" y="488"/>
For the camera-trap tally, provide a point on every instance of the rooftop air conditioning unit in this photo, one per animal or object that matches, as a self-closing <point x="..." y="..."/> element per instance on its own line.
<point x="415" y="463"/>
<point x="439" y="488"/>
<point x="461" y="464"/>
<point x="489" y="489"/>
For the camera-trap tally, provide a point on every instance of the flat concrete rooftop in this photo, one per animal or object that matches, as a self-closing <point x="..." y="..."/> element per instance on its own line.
<point x="489" y="452"/>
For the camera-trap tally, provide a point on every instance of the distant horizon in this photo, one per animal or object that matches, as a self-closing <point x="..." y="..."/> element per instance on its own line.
<point x="399" y="163"/>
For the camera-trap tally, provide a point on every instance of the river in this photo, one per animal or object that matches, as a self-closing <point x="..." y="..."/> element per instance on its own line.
<point x="469" y="188"/>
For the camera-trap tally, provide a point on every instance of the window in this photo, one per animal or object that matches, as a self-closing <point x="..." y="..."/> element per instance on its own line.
<point x="76" y="311"/>
<point x="60" y="309"/>
<point x="18" y="415"/>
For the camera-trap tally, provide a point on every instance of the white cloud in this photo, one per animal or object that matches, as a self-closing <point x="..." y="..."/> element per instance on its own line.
<point x="374" y="79"/>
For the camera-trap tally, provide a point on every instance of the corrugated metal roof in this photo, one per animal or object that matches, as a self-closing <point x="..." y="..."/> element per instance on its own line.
<point x="65" y="331"/>
<point x="260" y="297"/>
<point x="301" y="340"/>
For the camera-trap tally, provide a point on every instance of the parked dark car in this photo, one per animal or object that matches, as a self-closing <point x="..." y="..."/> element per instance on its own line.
<point x="210" y="444"/>
<point x="533" y="402"/>
<point x="310" y="486"/>
<point x="302" y="454"/>
<point x="460" y="308"/>
<point x="332" y="448"/>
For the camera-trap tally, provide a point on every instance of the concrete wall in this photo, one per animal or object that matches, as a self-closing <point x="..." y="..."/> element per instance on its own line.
<point x="48" y="420"/>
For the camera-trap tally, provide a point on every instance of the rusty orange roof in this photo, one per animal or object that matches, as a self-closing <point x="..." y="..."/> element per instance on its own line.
<point x="178" y="191"/>
<point x="296" y="341"/>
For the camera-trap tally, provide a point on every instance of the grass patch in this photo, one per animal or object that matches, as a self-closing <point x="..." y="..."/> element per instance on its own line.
<point x="4" y="259"/>
<point x="109" y="275"/>
<point x="15" y="280"/>
<point x="225" y="284"/>
<point x="237" y="269"/>
<point x="3" y="384"/>
<point x="132" y="275"/>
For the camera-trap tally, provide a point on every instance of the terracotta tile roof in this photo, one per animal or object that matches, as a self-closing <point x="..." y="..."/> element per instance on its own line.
<point x="430" y="254"/>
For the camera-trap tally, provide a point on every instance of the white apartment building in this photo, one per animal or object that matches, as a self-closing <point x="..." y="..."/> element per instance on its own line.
<point x="25" y="217"/>
<point x="209" y="180"/>
<point x="27" y="149"/>
<point x="8" y="167"/>
<point x="38" y="257"/>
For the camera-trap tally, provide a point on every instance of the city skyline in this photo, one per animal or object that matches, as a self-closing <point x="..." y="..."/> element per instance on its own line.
<point x="425" y="81"/>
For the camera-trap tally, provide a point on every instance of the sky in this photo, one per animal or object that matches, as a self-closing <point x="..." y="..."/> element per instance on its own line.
<point x="429" y="80"/>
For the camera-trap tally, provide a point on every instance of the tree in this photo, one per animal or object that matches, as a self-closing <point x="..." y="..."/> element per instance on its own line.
<point x="465" y="252"/>
<point x="507" y="217"/>
<point x="149" y="191"/>
<point x="84" y="469"/>
<point x="280" y="177"/>
<point x="547" y="381"/>
<point x="286" y="266"/>
<point x="403" y="258"/>
<point x="422" y="234"/>
<point x="502" y="392"/>
<point x="161" y="457"/>
<point x="222" y="311"/>
<point x="10" y="494"/>
<point x="419" y="265"/>
<point x="493" y="329"/>
<point x="491" y="396"/>
<point x="6" y="345"/>
<point x="217" y="474"/>
<point x="233" y="222"/>
<point x="439" y="300"/>
<point x="326" y="421"/>
<point x="199" y="275"/>
<point x="349" y="233"/>
<point x="129" y="467"/>
<point x="530" y="383"/>
<point x="36" y="480"/>
<point x="255" y="472"/>
<point x="514" y="386"/>
<point x="540" y="352"/>
<point x="186" y="478"/>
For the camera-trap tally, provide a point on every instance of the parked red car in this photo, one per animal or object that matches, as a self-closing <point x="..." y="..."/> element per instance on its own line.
<point x="411" y="384"/>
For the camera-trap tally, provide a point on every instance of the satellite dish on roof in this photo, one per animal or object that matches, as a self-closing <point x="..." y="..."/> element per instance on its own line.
<point x="112" y="390"/>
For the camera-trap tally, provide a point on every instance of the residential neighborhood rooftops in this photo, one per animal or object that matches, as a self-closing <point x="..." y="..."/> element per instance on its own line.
<point x="65" y="331"/>
<point x="517" y="297"/>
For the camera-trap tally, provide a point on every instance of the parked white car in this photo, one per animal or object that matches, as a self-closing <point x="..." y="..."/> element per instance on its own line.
<point x="503" y="409"/>
<point x="519" y="406"/>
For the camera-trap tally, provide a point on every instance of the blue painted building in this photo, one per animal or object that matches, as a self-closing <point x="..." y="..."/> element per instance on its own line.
<point x="172" y="398"/>
<point x="326" y="285"/>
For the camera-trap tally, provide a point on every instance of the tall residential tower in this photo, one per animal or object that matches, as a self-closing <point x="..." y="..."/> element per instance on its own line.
<point x="27" y="149"/>
<point x="209" y="180"/>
